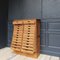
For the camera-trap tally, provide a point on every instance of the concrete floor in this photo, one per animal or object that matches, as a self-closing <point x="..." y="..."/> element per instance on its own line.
<point x="7" y="54"/>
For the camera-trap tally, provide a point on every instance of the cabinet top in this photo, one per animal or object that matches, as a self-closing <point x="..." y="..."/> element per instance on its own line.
<point x="25" y="21"/>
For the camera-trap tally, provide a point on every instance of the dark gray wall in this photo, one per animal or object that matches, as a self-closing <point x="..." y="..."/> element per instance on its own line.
<point x="49" y="13"/>
<point x="3" y="22"/>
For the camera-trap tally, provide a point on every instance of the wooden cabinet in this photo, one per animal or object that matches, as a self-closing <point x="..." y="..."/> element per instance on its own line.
<point x="26" y="37"/>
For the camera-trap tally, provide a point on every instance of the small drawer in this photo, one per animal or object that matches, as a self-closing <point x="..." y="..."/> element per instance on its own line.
<point x="29" y="25"/>
<point x="26" y="47"/>
<point x="29" y="35"/>
<point x="28" y="43"/>
<point x="17" y="22"/>
<point x="31" y="29"/>
<point x="18" y="27"/>
<point x="28" y="32"/>
<point x="18" y="41"/>
<point x="15" y="36"/>
<point x="16" y="49"/>
<point x="18" y="33"/>
<point x="27" y="51"/>
<point x="26" y="40"/>
<point x="29" y="38"/>
<point x="29" y="21"/>
<point x="15" y="39"/>
<point x="18" y="46"/>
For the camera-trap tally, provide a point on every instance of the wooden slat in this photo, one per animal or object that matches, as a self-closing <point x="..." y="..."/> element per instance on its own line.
<point x="27" y="51"/>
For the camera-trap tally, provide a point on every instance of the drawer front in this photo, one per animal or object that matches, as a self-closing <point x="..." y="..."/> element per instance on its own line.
<point x="17" y="22"/>
<point x="29" y="21"/>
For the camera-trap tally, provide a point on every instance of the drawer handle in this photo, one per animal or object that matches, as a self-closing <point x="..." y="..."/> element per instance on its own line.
<point x="28" y="33"/>
<point x="28" y="21"/>
<point x="17" y="28"/>
<point x="27" y="41"/>
<point x="16" y="37"/>
<point x="27" y="44"/>
<point x="28" y="38"/>
<point x="29" y="26"/>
